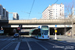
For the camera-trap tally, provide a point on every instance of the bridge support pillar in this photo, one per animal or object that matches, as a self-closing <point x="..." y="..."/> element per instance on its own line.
<point x="73" y="31"/>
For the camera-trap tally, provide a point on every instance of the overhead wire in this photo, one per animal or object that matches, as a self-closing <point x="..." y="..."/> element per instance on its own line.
<point x="56" y="1"/>
<point x="31" y="8"/>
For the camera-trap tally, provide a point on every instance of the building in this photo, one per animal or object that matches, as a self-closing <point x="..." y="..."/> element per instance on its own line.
<point x="7" y="15"/>
<point x="15" y="16"/>
<point x="3" y="13"/>
<point x="54" y="11"/>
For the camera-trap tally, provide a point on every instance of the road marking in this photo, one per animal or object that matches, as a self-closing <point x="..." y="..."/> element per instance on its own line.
<point x="41" y="46"/>
<point x="3" y="39"/>
<point x="28" y="44"/>
<point x="50" y="43"/>
<point x="62" y="43"/>
<point x="17" y="47"/>
<point x="13" y="39"/>
<point x="6" y="46"/>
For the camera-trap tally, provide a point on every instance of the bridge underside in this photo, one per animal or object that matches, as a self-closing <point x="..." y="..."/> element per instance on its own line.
<point x="8" y="26"/>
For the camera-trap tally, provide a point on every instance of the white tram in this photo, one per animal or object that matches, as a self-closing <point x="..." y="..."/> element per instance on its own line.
<point x="43" y="32"/>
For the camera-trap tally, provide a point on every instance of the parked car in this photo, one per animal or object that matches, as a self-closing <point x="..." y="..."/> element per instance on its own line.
<point x="16" y="35"/>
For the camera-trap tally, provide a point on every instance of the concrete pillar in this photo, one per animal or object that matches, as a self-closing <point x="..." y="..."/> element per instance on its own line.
<point x="73" y="30"/>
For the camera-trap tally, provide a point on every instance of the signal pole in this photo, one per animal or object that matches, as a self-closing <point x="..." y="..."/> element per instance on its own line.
<point x="55" y="34"/>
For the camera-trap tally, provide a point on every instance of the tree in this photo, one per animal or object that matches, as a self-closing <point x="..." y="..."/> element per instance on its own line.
<point x="68" y="8"/>
<point x="69" y="11"/>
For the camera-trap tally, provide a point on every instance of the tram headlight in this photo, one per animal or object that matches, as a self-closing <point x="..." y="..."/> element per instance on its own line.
<point x="43" y="36"/>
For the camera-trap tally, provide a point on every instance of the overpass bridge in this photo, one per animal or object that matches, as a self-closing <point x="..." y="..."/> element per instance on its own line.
<point x="34" y="23"/>
<point x="42" y="21"/>
<point x="37" y="22"/>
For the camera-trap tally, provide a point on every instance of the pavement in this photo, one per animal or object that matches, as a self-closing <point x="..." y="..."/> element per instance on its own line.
<point x="64" y="39"/>
<point x="29" y="43"/>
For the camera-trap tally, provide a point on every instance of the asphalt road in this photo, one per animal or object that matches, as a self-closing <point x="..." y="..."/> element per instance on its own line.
<point x="27" y="43"/>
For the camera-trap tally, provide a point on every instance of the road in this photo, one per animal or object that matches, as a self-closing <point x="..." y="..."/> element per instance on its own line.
<point x="28" y="43"/>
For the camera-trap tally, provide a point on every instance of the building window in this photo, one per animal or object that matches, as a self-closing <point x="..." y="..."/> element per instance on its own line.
<point x="60" y="13"/>
<point x="60" y="5"/>
<point x="53" y="9"/>
<point x="60" y="9"/>
<point x="56" y="13"/>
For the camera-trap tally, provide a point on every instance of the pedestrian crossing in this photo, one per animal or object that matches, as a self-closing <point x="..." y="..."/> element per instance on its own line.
<point x="22" y="39"/>
<point x="8" y="39"/>
<point x="30" y="39"/>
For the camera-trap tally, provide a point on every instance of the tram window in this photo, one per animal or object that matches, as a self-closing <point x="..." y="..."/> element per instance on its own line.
<point x="39" y="34"/>
<point x="45" y="32"/>
<point x="44" y="26"/>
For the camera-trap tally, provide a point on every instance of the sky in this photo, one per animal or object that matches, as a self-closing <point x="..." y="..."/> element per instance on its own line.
<point x="23" y="7"/>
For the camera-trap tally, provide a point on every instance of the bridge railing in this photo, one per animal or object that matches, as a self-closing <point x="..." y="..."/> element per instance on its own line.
<point x="42" y="21"/>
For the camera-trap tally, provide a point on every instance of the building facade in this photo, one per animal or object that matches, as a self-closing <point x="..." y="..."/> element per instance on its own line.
<point x="54" y="11"/>
<point x="3" y="13"/>
<point x="15" y="16"/>
<point x="7" y="15"/>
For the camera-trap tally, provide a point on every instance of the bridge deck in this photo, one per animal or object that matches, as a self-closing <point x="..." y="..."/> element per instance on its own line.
<point x="59" y="21"/>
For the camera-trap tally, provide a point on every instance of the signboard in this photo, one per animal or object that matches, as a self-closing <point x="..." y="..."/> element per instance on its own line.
<point x="23" y="30"/>
<point x="55" y="31"/>
<point x="55" y="28"/>
<point x="39" y="27"/>
<point x="18" y="28"/>
<point x="1" y="28"/>
<point x="55" y="25"/>
<point x="1" y="31"/>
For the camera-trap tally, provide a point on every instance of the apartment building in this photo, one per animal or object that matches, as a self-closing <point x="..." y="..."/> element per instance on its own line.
<point x="54" y="11"/>
<point x="15" y="16"/>
<point x="3" y="13"/>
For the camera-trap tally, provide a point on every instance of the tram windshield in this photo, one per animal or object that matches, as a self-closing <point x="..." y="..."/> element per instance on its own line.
<point x="45" y="32"/>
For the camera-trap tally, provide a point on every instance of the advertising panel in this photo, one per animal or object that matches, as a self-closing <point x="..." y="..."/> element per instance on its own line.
<point x="1" y="31"/>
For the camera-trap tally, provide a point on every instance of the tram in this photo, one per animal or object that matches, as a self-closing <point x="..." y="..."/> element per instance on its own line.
<point x="42" y="32"/>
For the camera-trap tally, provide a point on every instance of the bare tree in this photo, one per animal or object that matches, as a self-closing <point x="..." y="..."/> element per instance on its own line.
<point x="69" y="8"/>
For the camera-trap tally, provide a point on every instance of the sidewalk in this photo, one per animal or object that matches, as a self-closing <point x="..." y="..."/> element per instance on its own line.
<point x="64" y="39"/>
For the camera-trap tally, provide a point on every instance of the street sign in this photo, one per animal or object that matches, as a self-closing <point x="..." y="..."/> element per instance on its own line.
<point x="55" y="25"/>
<point x="39" y="27"/>
<point x="55" y="31"/>
<point x="55" y="28"/>
<point x="18" y="28"/>
<point x="1" y="28"/>
<point x="1" y="31"/>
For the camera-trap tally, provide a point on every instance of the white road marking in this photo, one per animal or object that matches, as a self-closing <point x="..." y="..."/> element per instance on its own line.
<point x="3" y="39"/>
<point x="17" y="47"/>
<point x="7" y="39"/>
<point x="61" y="43"/>
<point x="41" y="46"/>
<point x="6" y="46"/>
<point x="13" y="39"/>
<point x="28" y="44"/>
<point x="51" y="43"/>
